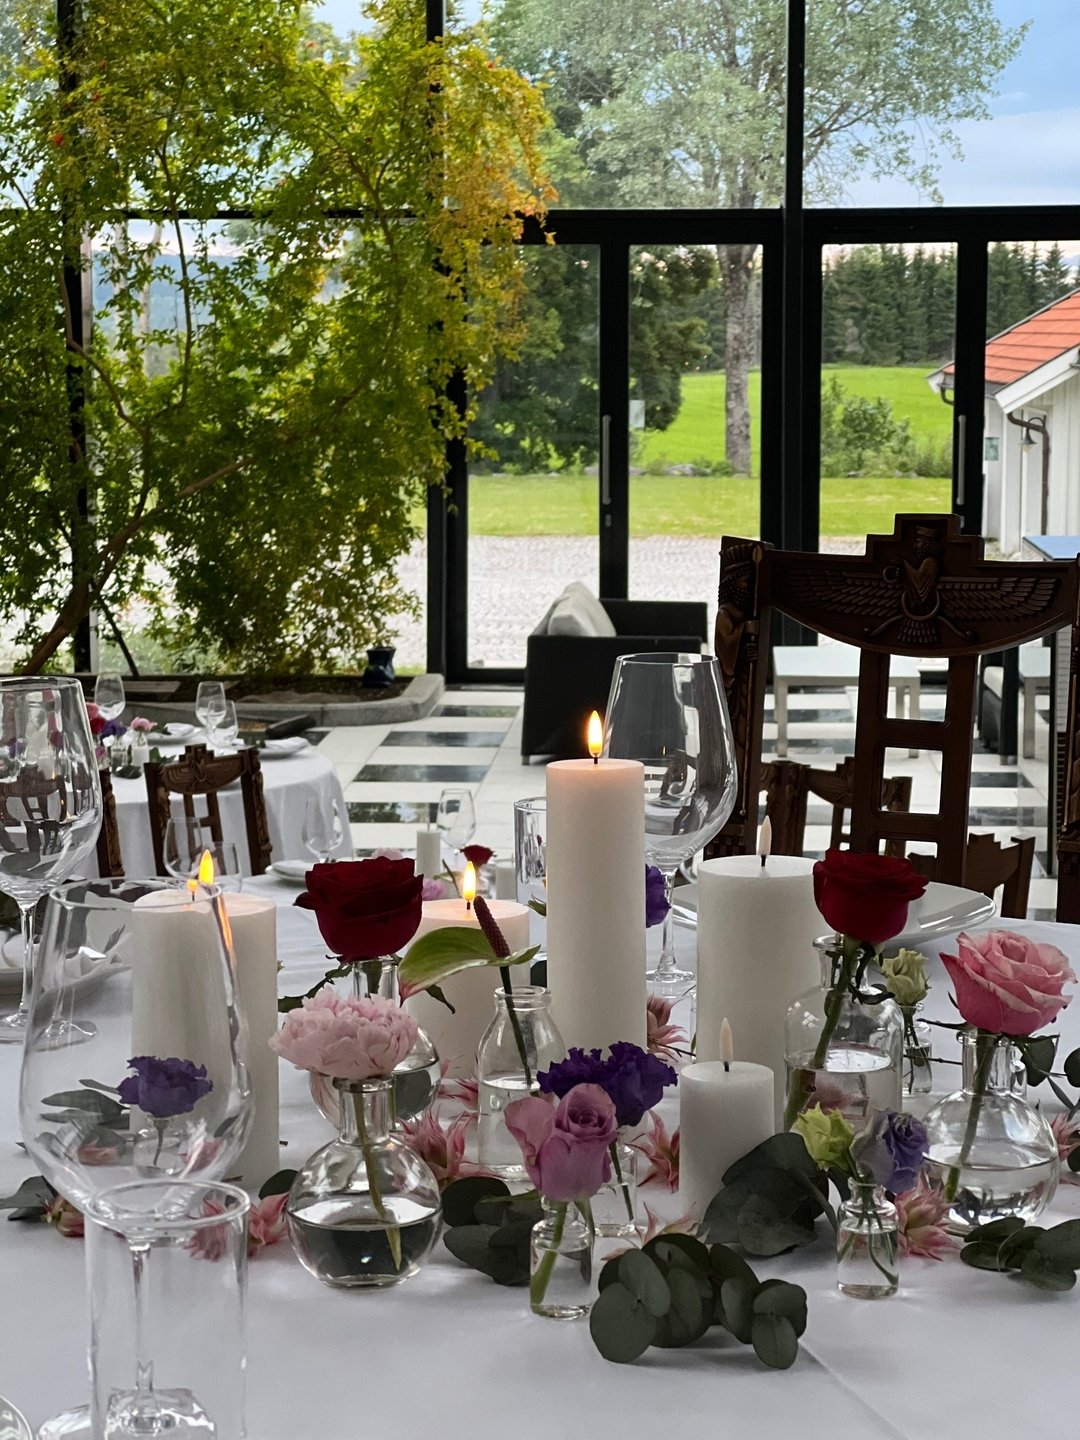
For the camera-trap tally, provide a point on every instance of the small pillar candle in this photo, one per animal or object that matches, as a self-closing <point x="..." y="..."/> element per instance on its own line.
<point x="428" y="853"/>
<point x="725" y="1109"/>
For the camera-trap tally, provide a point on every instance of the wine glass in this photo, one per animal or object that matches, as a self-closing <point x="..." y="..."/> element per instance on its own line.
<point x="323" y="829"/>
<point x="155" y="968"/>
<point x="110" y="699"/>
<point x="456" y="817"/>
<point x="210" y="704"/>
<point x="185" y="843"/>
<point x="227" y="728"/>
<point x="669" y="711"/>
<point x="50" y="803"/>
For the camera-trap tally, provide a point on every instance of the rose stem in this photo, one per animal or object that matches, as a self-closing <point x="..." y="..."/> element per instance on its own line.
<point x="497" y="941"/>
<point x="985" y="1044"/>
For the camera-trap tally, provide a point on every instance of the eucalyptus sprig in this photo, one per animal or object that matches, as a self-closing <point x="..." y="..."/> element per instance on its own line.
<point x="1045" y="1258"/>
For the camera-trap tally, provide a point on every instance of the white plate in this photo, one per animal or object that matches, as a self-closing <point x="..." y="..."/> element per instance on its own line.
<point x="174" y="733"/>
<point x="941" y="910"/>
<point x="274" y="749"/>
<point x="11" y="975"/>
<point x="292" y="869"/>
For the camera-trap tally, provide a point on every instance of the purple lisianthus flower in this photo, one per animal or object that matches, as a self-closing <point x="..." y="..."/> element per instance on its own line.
<point x="581" y="1067"/>
<point x="633" y="1079"/>
<point x="891" y="1148"/>
<point x="112" y="730"/>
<point x="164" y="1087"/>
<point x="656" y="903"/>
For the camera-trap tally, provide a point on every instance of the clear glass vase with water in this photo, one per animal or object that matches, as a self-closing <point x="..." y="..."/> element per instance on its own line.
<point x="521" y="1040"/>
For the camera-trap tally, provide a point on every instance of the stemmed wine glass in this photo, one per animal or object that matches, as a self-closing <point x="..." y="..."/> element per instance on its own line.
<point x="210" y="704"/>
<point x="109" y="697"/>
<point x="185" y="843"/>
<point x="456" y="817"/>
<point x="50" y="805"/>
<point x="158" y="974"/>
<point x="669" y="711"/>
<point x="323" y="829"/>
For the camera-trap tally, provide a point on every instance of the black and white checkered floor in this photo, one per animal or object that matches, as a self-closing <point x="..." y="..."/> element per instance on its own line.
<point x="393" y="775"/>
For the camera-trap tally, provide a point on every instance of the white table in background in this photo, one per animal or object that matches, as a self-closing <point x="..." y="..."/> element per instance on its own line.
<point x="830" y="667"/>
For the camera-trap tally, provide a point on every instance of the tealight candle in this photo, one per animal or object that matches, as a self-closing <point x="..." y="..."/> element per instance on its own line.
<point x="725" y="1109"/>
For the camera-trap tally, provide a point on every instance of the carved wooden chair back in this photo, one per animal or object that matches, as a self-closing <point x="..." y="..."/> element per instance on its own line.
<point x="110" y="861"/>
<point x="924" y="591"/>
<point x="198" y="773"/>
<point x="990" y="865"/>
<point x="36" y="802"/>
<point x="788" y="786"/>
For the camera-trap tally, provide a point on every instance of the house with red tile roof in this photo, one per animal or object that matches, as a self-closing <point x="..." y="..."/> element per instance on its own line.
<point x="1031" y="444"/>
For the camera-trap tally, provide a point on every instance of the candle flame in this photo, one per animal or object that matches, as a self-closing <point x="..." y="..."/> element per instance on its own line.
<point x="595" y="735"/>
<point x="764" y="842"/>
<point x="468" y="883"/>
<point x="206" y="868"/>
<point x="727" y="1042"/>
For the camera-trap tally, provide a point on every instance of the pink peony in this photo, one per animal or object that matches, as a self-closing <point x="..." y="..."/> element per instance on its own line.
<point x="565" y="1149"/>
<point x="663" y="1037"/>
<point x="1006" y="983"/>
<point x="141" y="725"/>
<point x="921" y="1213"/>
<point x="1067" y="1134"/>
<point x="348" y="1038"/>
<point x="433" y="889"/>
<point x="662" y="1152"/>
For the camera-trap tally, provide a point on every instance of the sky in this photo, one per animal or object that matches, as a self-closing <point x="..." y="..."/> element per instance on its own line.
<point x="1027" y="153"/>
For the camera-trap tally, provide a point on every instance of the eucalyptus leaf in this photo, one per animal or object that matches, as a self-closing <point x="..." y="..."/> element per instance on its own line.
<point x="106" y="1107"/>
<point x="1037" y="1053"/>
<point x="1061" y="1244"/>
<point x="769" y="1225"/>
<point x="470" y="1244"/>
<point x="778" y="1297"/>
<point x="682" y="1250"/>
<point x="786" y="1151"/>
<point x="34" y="1192"/>
<point x="689" y="1316"/>
<point x="1073" y="1161"/>
<point x="508" y="1253"/>
<point x="460" y="1199"/>
<point x="737" y="1298"/>
<point x="1046" y="1274"/>
<point x="1072" y="1068"/>
<point x="278" y="1184"/>
<point x="775" y="1341"/>
<point x="1015" y="1246"/>
<point x="996" y="1230"/>
<point x="645" y="1281"/>
<point x="720" y="1223"/>
<point x="499" y="1209"/>
<point x="621" y="1328"/>
<point x="981" y="1257"/>
<point x="728" y="1264"/>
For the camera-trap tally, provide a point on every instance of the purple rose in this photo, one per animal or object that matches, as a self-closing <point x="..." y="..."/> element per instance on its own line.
<point x="565" y="1150"/>
<point x="164" y="1087"/>
<point x="633" y="1079"/>
<point x="892" y="1148"/>
<point x="656" y="901"/>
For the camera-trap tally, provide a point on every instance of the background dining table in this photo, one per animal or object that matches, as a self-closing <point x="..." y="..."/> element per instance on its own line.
<point x="959" y="1353"/>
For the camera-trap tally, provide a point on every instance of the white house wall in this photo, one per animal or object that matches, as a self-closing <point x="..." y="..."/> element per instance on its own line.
<point x="1013" y="504"/>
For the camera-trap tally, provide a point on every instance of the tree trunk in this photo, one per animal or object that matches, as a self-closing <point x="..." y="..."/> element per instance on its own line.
<point x="740" y="346"/>
<point x="75" y="608"/>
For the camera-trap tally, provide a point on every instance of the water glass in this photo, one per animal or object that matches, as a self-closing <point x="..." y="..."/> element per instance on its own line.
<point x="456" y="817"/>
<point x="109" y="694"/>
<point x="227" y="729"/>
<point x="156" y="1365"/>
<point x="323" y="829"/>
<point x="210" y="704"/>
<point x="530" y="831"/>
<point x="186" y="841"/>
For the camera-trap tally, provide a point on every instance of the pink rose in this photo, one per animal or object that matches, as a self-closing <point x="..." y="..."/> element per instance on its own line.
<point x="565" y="1150"/>
<point x="1006" y="983"/>
<point x="345" y="1037"/>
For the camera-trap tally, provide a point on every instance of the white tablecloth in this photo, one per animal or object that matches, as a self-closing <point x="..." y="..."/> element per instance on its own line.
<point x="959" y="1353"/>
<point x="289" y="782"/>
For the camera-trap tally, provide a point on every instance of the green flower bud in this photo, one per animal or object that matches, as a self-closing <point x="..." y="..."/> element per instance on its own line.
<point x="905" y="975"/>
<point x="827" y="1135"/>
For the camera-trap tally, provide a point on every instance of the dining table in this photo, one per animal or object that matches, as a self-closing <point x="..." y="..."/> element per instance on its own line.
<point x="293" y="773"/>
<point x="958" y="1352"/>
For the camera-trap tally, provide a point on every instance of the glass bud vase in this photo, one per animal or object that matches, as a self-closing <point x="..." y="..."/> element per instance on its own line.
<point x="918" y="1053"/>
<point x="416" y="1079"/>
<point x="560" y="1264"/>
<point x="842" y="1053"/>
<point x="364" y="1210"/>
<point x="614" y="1204"/>
<point x="867" y="1243"/>
<point x="990" y="1153"/>
<point x="522" y="1024"/>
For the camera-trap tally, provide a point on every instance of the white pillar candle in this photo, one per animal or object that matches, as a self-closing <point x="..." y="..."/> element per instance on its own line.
<point x="505" y="880"/>
<point x="456" y="1037"/>
<point x="595" y="860"/>
<point x="756" y="930"/>
<point x="253" y="919"/>
<point x="723" y="1114"/>
<point x="428" y="853"/>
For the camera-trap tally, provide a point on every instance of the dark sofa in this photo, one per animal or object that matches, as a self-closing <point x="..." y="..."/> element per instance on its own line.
<point x="568" y="676"/>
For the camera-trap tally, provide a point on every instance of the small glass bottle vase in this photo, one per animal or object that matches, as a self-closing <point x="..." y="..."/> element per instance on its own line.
<point x="364" y="1210"/>
<point x="841" y="1052"/>
<point x="522" y="1024"/>
<point x="560" y="1264"/>
<point x="867" y="1243"/>
<point x="614" y="1204"/>
<point x="990" y="1153"/>
<point x="918" y="1053"/>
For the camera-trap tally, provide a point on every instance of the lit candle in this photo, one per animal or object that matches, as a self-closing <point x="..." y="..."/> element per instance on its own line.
<point x="725" y="1109"/>
<point x="595" y="860"/>
<point x="468" y="886"/>
<point x="757" y="924"/>
<point x="457" y="1036"/>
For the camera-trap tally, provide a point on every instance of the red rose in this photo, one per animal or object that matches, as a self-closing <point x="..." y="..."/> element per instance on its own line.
<point x="866" y="897"/>
<point x="477" y="855"/>
<point x="365" y="908"/>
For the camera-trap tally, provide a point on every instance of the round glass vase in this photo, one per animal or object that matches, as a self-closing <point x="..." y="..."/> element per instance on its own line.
<point x="521" y="1040"/>
<point x="990" y="1153"/>
<point x="416" y="1079"/>
<point x="560" y="1263"/>
<point x="918" y="1078"/>
<point x="841" y="1051"/>
<point x="364" y="1210"/>
<point x="867" y="1243"/>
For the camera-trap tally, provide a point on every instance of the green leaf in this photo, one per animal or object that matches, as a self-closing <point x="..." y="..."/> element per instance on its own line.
<point x="277" y="1184"/>
<point x="1037" y="1053"/>
<point x="728" y="1264"/>
<point x="775" y="1341"/>
<point x="1072" y="1068"/>
<point x="771" y="1224"/>
<point x="996" y="1230"/>
<point x="778" y="1297"/>
<point x="682" y="1250"/>
<point x="460" y="1199"/>
<point x="1046" y="1274"/>
<point x="501" y="1209"/>
<point x="293" y="1002"/>
<point x="1061" y="1244"/>
<point x="36" y="1192"/>
<point x="436" y="993"/>
<point x="1015" y="1246"/>
<point x="1073" y="1161"/>
<point x="645" y="1281"/>
<point x="621" y="1328"/>
<point x="786" y="1151"/>
<point x="508" y="1253"/>
<point x="106" y="1107"/>
<point x="470" y="1244"/>
<point x="442" y="953"/>
<point x="981" y="1257"/>
<point x="737" y="1299"/>
<point x="690" y="1314"/>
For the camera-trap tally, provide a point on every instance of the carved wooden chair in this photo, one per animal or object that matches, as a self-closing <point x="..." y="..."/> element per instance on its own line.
<point x="990" y="865"/>
<point x="199" y="773"/>
<point x="110" y="861"/>
<point x="924" y="591"/>
<point x="788" y="786"/>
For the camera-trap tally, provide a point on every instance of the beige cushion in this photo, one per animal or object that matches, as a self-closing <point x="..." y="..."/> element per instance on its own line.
<point x="578" y="612"/>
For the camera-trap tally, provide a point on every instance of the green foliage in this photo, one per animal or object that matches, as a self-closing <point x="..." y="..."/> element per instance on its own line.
<point x="859" y="434"/>
<point x="771" y="1199"/>
<point x="488" y="1229"/>
<point x="1046" y="1259"/>
<point x="671" y="1292"/>
<point x="265" y="404"/>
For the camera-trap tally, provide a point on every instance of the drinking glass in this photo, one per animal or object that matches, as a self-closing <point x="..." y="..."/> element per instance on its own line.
<point x="109" y="694"/>
<point x="210" y="704"/>
<point x="323" y="829"/>
<point x="50" y="804"/>
<point x="530" y="830"/>
<point x="151" y="1371"/>
<point x="668" y="710"/>
<point x="456" y="817"/>
<point x="227" y="729"/>
<point x="155" y="970"/>
<point x="186" y="841"/>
